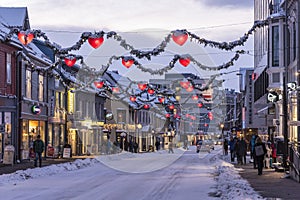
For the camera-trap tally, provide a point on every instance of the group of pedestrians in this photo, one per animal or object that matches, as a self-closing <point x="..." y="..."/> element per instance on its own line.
<point x="263" y="154"/>
<point x="238" y="149"/>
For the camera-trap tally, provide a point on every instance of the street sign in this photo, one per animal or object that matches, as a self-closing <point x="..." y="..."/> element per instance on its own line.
<point x="294" y="123"/>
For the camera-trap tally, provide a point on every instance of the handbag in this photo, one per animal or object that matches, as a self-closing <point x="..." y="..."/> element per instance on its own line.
<point x="259" y="151"/>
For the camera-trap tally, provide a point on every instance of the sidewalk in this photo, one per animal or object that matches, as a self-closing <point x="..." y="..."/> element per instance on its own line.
<point x="7" y="169"/>
<point x="271" y="184"/>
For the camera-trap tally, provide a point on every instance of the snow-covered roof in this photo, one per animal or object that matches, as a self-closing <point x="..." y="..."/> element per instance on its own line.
<point x="18" y="17"/>
<point x="14" y="16"/>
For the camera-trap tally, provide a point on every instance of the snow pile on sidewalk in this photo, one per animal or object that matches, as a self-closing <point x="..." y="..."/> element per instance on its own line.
<point x="230" y="184"/>
<point x="22" y="175"/>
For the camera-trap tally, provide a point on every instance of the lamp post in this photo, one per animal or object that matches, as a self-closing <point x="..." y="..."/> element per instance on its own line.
<point x="222" y="129"/>
<point x="123" y="134"/>
<point x="139" y="126"/>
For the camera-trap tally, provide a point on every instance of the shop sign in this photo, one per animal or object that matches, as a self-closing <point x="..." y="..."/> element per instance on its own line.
<point x="67" y="153"/>
<point x="8" y="157"/>
<point x="36" y="109"/>
<point x="50" y="151"/>
<point x="111" y="126"/>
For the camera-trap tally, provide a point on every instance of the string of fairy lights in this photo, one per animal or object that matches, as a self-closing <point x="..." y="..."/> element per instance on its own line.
<point x="96" y="39"/>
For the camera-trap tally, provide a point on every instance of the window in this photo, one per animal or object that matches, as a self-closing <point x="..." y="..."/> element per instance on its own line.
<point x="41" y="88"/>
<point x="275" y="46"/>
<point x="8" y="68"/>
<point x="294" y="41"/>
<point x="276" y="77"/>
<point x="28" y="84"/>
<point x="57" y="99"/>
<point x="121" y="116"/>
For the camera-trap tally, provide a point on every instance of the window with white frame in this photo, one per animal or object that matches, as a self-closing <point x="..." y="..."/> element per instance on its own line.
<point x="41" y="88"/>
<point x="275" y="46"/>
<point x="8" y="68"/>
<point x="276" y="77"/>
<point x="28" y="84"/>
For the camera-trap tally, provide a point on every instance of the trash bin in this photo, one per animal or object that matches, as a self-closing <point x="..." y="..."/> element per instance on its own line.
<point x="9" y="152"/>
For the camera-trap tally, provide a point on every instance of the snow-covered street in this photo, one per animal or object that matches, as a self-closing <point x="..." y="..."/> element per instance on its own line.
<point x="158" y="175"/>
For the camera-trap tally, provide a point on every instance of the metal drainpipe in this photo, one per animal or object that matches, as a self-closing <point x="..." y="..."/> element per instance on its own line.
<point x="284" y="97"/>
<point x="298" y="77"/>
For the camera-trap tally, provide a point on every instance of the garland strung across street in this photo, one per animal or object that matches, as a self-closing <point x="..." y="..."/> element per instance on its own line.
<point x="147" y="93"/>
<point x="96" y="39"/>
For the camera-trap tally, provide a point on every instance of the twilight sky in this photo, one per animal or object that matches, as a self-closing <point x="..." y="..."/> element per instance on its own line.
<point x="216" y="20"/>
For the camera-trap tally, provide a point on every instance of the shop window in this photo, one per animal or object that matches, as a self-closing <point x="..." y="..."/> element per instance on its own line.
<point x="28" y="84"/>
<point x="8" y="68"/>
<point x="41" y="88"/>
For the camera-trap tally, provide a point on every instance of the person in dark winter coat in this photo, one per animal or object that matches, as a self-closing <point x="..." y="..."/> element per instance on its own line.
<point x="38" y="148"/>
<point x="259" y="152"/>
<point x="252" y="155"/>
<point x="242" y="151"/>
<point x="225" y="146"/>
<point x="232" y="148"/>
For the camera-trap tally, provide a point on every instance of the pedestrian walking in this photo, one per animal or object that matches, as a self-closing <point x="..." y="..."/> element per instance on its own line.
<point x="268" y="155"/>
<point x="171" y="147"/>
<point x="274" y="155"/>
<point x="259" y="152"/>
<point x="225" y="147"/>
<point x="157" y="144"/>
<point x="252" y="155"/>
<point x="232" y="148"/>
<point x="38" y="147"/>
<point x="135" y="147"/>
<point x="242" y="151"/>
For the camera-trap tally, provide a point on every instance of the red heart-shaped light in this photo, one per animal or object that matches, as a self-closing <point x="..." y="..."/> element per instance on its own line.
<point x="179" y="37"/>
<point x="146" y="106"/>
<point x="132" y="98"/>
<point x="151" y="91"/>
<point x="185" y="85"/>
<point x="142" y="86"/>
<point x="95" y="42"/>
<point x="184" y="61"/>
<point x="98" y="84"/>
<point x="161" y="99"/>
<point x="190" y="89"/>
<point x="115" y="90"/>
<point x="171" y="107"/>
<point x="200" y="105"/>
<point x="127" y="63"/>
<point x="195" y="97"/>
<point x="70" y="61"/>
<point x="25" y="38"/>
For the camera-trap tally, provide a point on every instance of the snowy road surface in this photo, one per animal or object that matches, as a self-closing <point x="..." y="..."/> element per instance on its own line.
<point x="183" y="175"/>
<point x="188" y="177"/>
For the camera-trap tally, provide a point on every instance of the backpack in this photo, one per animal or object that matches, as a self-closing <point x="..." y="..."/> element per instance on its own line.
<point x="259" y="151"/>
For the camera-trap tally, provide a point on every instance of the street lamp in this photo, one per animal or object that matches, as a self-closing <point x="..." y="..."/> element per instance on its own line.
<point x="139" y="126"/>
<point x="123" y="134"/>
<point x="222" y="129"/>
